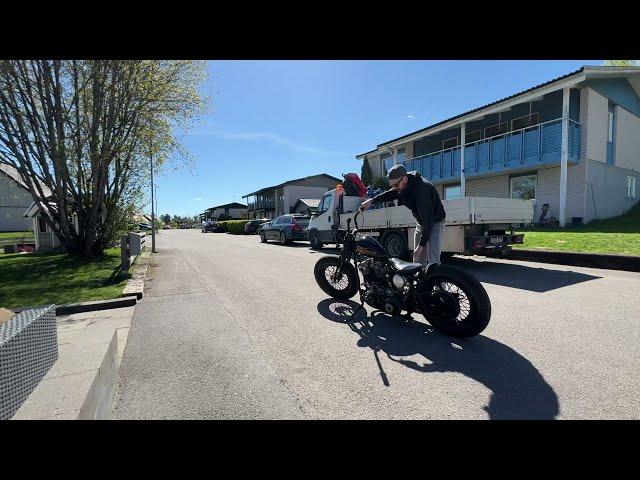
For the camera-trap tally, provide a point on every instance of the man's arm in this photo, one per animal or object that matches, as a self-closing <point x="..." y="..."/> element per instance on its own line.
<point x="387" y="196"/>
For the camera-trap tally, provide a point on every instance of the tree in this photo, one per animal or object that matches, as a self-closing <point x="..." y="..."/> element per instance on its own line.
<point x="365" y="173"/>
<point x="166" y="218"/>
<point x="621" y="63"/>
<point x="86" y="130"/>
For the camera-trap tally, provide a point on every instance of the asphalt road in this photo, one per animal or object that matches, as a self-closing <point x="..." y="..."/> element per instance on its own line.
<point x="230" y="328"/>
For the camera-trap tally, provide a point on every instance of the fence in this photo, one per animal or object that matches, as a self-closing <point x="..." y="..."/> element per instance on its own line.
<point x="131" y="245"/>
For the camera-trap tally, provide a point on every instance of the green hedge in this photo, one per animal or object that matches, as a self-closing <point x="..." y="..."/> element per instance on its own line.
<point x="235" y="227"/>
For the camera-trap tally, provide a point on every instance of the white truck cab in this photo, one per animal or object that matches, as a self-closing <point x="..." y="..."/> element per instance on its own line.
<point x="474" y="225"/>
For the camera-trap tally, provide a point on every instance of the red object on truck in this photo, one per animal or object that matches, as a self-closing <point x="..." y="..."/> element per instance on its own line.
<point x="353" y="185"/>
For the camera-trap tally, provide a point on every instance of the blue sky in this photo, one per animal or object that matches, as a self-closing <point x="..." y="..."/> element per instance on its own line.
<point x="274" y="121"/>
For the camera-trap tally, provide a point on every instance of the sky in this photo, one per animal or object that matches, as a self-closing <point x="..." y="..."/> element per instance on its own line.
<point x="273" y="121"/>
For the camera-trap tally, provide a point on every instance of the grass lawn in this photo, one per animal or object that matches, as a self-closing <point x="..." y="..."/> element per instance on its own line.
<point x="619" y="235"/>
<point x="8" y="235"/>
<point x="31" y="279"/>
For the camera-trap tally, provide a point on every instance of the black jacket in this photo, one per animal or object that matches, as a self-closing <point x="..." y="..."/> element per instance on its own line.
<point x="422" y="198"/>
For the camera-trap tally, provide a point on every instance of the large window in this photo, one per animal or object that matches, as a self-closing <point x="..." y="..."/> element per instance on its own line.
<point x="524" y="188"/>
<point x="387" y="162"/>
<point x="473" y="136"/>
<point x="497" y="129"/>
<point x="631" y="187"/>
<point x="450" y="143"/>
<point x="524" y="122"/>
<point x="451" y="192"/>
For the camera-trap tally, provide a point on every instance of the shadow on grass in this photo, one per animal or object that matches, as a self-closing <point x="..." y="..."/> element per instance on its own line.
<point x="518" y="390"/>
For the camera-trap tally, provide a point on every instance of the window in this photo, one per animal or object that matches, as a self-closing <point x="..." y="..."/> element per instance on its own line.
<point x="42" y="225"/>
<point x="631" y="187"/>
<point x="451" y="192"/>
<point x="524" y="122"/>
<point x="387" y="162"/>
<point x="450" y="143"/>
<point x="324" y="205"/>
<point x="473" y="136"/>
<point x="497" y="129"/>
<point x="524" y="188"/>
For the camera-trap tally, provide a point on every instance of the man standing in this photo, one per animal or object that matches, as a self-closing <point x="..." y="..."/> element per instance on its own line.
<point x="422" y="198"/>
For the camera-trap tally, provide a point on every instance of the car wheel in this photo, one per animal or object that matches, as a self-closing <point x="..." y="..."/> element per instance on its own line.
<point x="314" y="240"/>
<point x="283" y="238"/>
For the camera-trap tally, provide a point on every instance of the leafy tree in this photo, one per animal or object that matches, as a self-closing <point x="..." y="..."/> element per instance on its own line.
<point x="87" y="130"/>
<point x="365" y="173"/>
<point x="166" y="218"/>
<point x="621" y="63"/>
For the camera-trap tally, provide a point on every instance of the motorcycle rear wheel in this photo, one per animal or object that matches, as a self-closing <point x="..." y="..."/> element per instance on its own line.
<point x="345" y="287"/>
<point x="454" y="302"/>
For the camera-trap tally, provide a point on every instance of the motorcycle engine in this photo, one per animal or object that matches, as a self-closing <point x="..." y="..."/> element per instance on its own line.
<point x="383" y="292"/>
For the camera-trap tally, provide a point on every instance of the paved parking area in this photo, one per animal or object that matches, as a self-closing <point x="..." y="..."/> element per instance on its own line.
<point x="232" y="328"/>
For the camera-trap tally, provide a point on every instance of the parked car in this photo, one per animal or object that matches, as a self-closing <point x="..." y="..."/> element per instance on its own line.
<point x="286" y="228"/>
<point x="197" y="225"/>
<point x="252" y="226"/>
<point x="211" y="227"/>
<point x="144" y="226"/>
<point x="166" y="227"/>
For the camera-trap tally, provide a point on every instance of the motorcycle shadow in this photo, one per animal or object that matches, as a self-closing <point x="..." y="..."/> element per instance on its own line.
<point x="518" y="390"/>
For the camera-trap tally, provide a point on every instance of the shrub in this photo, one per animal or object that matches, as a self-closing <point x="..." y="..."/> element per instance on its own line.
<point x="235" y="227"/>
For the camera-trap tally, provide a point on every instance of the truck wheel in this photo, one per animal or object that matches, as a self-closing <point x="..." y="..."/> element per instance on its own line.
<point x="314" y="240"/>
<point x="395" y="245"/>
<point x="446" y="257"/>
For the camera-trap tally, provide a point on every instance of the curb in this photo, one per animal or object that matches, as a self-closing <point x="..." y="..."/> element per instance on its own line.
<point x="87" y="306"/>
<point x="135" y="285"/>
<point x="591" y="260"/>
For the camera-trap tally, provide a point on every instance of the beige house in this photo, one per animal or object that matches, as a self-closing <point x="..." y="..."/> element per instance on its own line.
<point x="235" y="210"/>
<point x="271" y="202"/>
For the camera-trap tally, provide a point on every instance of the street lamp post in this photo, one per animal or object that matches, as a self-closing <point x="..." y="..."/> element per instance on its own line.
<point x="153" y="212"/>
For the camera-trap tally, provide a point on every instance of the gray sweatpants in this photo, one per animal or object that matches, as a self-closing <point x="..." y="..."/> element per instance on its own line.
<point x="431" y="251"/>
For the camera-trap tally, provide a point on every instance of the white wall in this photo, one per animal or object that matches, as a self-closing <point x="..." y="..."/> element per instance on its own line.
<point x="606" y="190"/>
<point x="627" y="146"/>
<point x="497" y="186"/>
<point x="596" y="126"/>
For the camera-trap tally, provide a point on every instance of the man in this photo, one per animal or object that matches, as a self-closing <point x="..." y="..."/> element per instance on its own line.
<point x="422" y="198"/>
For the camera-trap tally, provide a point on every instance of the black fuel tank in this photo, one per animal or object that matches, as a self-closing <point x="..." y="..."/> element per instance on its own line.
<point x="370" y="247"/>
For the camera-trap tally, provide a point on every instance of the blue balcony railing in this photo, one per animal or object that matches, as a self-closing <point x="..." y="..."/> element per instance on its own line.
<point x="533" y="146"/>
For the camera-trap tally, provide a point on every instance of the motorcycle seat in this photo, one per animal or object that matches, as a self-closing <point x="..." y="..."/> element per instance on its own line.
<point x="406" y="267"/>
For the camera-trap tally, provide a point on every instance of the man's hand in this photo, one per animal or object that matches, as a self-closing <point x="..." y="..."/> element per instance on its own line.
<point x="366" y="204"/>
<point x="417" y="253"/>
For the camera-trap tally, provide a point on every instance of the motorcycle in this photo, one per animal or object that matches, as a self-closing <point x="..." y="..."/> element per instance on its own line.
<point x="451" y="300"/>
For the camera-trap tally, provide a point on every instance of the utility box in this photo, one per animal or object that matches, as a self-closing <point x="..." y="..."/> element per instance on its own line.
<point x="136" y="243"/>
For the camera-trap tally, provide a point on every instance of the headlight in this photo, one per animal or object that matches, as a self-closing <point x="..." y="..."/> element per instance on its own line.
<point x="398" y="281"/>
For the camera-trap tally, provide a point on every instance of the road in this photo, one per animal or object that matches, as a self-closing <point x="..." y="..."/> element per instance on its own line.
<point x="230" y="328"/>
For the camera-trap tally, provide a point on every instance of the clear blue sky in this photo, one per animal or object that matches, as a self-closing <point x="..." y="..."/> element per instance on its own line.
<point x="274" y="121"/>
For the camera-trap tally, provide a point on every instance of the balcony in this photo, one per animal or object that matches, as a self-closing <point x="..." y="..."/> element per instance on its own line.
<point x="261" y="205"/>
<point x="534" y="146"/>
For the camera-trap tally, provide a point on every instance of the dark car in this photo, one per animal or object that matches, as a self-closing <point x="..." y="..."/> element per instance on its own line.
<point x="211" y="227"/>
<point x="252" y="226"/>
<point x="286" y="228"/>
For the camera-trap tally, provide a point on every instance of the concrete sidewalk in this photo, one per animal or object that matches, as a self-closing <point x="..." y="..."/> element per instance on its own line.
<point x="82" y="383"/>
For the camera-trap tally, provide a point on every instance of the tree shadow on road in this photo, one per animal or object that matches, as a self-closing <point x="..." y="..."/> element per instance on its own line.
<point x="518" y="390"/>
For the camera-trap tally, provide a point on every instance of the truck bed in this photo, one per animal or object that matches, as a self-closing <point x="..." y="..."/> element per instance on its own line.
<point x="460" y="211"/>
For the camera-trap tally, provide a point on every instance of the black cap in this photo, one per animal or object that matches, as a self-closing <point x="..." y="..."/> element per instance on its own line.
<point x="396" y="172"/>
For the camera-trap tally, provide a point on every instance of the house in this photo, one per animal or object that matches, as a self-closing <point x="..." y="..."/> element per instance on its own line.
<point x="271" y="202"/>
<point x="235" y="210"/>
<point x="15" y="198"/>
<point x="306" y="206"/>
<point x="46" y="239"/>
<point x="572" y="143"/>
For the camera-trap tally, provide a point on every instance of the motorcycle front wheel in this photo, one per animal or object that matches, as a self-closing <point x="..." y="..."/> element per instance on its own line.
<point x="454" y="302"/>
<point x="344" y="287"/>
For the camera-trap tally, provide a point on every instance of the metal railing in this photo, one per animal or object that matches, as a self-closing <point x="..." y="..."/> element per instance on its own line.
<point x="528" y="146"/>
